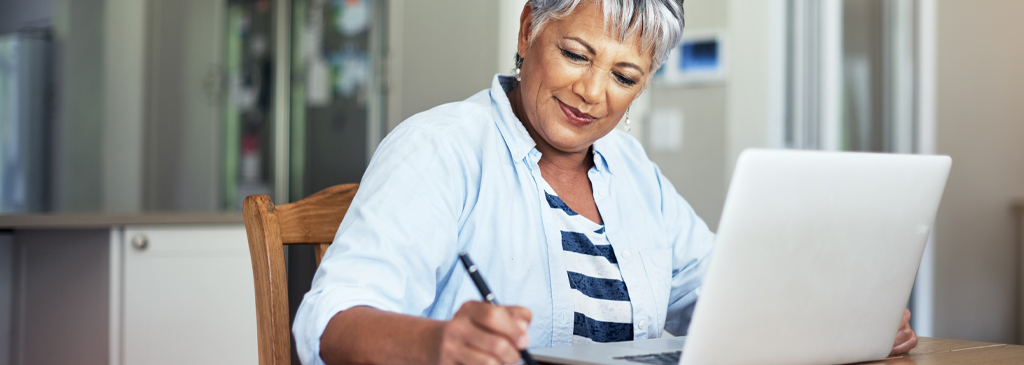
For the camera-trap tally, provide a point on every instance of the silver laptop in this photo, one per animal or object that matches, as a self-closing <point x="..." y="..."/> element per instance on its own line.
<point x="814" y="262"/>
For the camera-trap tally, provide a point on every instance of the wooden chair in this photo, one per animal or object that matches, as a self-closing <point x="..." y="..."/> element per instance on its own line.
<point x="313" y="220"/>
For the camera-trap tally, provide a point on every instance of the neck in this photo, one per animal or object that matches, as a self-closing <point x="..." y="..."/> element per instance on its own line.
<point x="551" y="157"/>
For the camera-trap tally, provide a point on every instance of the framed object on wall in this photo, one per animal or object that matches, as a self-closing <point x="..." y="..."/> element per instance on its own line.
<point x="699" y="59"/>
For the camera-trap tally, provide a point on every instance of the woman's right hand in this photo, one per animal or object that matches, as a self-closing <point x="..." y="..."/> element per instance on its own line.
<point x="482" y="333"/>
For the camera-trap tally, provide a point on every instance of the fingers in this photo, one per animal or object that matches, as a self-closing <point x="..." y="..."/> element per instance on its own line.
<point x="482" y="333"/>
<point x="468" y="355"/>
<point x="500" y="321"/>
<point x="906" y="338"/>
<point x="496" y="345"/>
<point x="904" y="347"/>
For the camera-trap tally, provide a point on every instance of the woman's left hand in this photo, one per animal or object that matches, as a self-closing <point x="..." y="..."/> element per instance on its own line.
<point x="906" y="339"/>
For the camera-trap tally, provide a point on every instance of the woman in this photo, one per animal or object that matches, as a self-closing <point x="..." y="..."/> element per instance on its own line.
<point x="567" y="218"/>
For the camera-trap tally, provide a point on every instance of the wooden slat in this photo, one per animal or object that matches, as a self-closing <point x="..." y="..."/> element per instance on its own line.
<point x="320" y="249"/>
<point x="268" y="271"/>
<point x="316" y="218"/>
<point x="313" y="220"/>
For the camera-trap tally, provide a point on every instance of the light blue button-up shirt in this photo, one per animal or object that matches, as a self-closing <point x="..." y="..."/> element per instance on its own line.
<point x="464" y="177"/>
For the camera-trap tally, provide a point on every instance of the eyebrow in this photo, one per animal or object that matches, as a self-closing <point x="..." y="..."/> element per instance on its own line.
<point x="591" y="50"/>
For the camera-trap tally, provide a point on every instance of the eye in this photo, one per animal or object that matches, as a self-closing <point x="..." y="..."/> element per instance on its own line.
<point x="573" y="56"/>
<point x="625" y="80"/>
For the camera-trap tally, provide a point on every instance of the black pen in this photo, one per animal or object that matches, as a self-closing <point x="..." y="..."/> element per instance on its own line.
<point x="474" y="273"/>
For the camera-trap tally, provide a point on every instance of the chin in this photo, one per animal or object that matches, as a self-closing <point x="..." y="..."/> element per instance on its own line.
<point x="570" y="142"/>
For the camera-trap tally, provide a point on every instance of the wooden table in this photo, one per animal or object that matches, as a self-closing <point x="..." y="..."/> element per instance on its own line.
<point x="943" y="351"/>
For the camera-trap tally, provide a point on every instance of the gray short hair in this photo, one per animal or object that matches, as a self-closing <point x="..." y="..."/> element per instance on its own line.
<point x="659" y="22"/>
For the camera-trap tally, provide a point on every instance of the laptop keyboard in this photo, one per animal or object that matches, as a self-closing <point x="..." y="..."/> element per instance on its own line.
<point x="666" y="358"/>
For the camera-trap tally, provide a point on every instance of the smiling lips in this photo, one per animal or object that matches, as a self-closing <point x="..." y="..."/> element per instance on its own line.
<point x="575" y="116"/>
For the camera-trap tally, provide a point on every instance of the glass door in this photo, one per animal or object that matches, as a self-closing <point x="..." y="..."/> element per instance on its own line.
<point x="336" y="91"/>
<point x="249" y="105"/>
<point x="851" y="75"/>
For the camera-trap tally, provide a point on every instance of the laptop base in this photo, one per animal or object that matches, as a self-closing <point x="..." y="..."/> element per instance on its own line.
<point x="607" y="353"/>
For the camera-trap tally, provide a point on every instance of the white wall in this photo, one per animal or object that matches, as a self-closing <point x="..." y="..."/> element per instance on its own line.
<point x="698" y="169"/>
<point x="980" y="123"/>
<point x="124" y="57"/>
<point x="183" y="139"/>
<point x="78" y="39"/>
<point x="98" y="129"/>
<point x="508" y="33"/>
<point x="439" y="52"/>
<point x="757" y="72"/>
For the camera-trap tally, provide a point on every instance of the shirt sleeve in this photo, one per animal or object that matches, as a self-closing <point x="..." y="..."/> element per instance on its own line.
<point x="397" y="235"/>
<point x="691" y="242"/>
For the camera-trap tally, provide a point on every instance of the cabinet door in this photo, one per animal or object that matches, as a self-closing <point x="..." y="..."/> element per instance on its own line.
<point x="188" y="296"/>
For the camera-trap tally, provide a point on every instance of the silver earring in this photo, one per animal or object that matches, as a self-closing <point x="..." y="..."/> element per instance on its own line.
<point x="627" y="127"/>
<point x="519" y="67"/>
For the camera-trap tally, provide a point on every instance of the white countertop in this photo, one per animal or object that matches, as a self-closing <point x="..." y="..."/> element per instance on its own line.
<point x="100" y="220"/>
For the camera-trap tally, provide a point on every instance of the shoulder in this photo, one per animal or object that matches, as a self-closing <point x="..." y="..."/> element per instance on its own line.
<point x="451" y="121"/>
<point x="449" y="136"/>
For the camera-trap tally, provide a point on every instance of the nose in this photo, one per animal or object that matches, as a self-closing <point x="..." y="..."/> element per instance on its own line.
<point x="590" y="86"/>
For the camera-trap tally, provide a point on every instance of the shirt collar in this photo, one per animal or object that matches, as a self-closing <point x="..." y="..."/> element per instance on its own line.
<point x="516" y="137"/>
<point x="518" y="140"/>
<point x="601" y="160"/>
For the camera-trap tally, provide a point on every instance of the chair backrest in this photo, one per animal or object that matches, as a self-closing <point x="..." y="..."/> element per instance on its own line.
<point x="313" y="220"/>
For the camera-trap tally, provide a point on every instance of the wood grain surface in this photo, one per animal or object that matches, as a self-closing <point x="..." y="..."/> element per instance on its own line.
<point x="938" y="351"/>
<point x="313" y="220"/>
<point x="945" y="351"/>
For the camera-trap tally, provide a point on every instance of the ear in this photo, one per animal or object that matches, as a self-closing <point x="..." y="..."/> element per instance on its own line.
<point x="525" y="29"/>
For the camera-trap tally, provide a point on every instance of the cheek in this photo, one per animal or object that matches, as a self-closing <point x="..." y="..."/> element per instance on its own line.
<point x="556" y="71"/>
<point x="619" y="101"/>
<point x="546" y="82"/>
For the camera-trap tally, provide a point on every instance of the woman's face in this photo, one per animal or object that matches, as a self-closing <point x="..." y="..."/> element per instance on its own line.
<point x="577" y="80"/>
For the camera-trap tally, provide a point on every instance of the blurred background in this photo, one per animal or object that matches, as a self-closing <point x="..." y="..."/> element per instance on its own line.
<point x="184" y="107"/>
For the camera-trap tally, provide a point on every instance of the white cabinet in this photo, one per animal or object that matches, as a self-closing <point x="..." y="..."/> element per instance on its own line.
<point x="80" y="292"/>
<point x="186" y="296"/>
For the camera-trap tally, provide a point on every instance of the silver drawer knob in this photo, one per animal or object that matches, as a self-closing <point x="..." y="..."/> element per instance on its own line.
<point x="140" y="242"/>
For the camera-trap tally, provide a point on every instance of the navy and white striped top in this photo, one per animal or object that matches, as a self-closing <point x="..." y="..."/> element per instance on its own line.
<point x="603" y="312"/>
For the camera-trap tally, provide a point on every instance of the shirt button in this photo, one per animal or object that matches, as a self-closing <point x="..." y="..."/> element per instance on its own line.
<point x="600" y="193"/>
<point x="625" y="255"/>
<point x="642" y="325"/>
